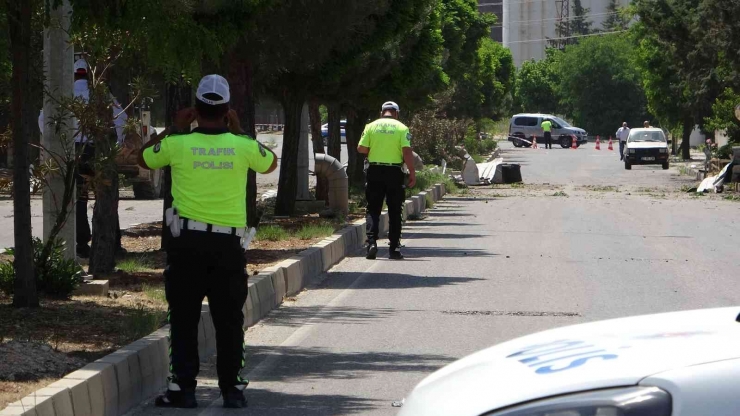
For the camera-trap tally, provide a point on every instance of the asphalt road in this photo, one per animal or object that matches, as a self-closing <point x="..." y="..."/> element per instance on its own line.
<point x="135" y="212"/>
<point x="484" y="268"/>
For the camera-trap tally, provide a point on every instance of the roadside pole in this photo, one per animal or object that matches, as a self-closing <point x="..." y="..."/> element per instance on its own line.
<point x="58" y="68"/>
<point x="303" y="193"/>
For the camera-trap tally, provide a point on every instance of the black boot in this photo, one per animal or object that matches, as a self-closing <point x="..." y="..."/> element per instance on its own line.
<point x="177" y="397"/>
<point x="395" y="254"/>
<point x="372" y="251"/>
<point x="234" y="398"/>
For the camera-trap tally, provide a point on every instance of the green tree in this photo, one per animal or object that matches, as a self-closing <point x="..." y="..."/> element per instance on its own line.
<point x="535" y="88"/>
<point x="723" y="115"/>
<point x="599" y="88"/>
<point x="671" y="40"/>
<point x="568" y="31"/>
<point x="616" y="19"/>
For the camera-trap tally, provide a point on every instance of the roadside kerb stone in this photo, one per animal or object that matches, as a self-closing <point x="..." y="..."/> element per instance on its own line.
<point x="383" y="226"/>
<point x="418" y="204"/>
<point x="124" y="393"/>
<point x="33" y="404"/>
<point x="79" y="395"/>
<point x="293" y="274"/>
<point x="423" y="196"/>
<point x="442" y="188"/>
<point x="278" y="282"/>
<point x="61" y="400"/>
<point x="311" y="264"/>
<point x="92" y="288"/>
<point x="265" y="293"/>
<point x="360" y="228"/>
<point x="102" y="386"/>
<point x="326" y="259"/>
<point x="249" y="310"/>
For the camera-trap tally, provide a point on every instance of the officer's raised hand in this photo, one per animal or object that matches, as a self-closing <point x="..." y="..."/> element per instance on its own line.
<point x="184" y="118"/>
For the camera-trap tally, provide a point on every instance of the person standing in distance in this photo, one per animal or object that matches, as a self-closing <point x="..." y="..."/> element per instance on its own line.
<point x="386" y="142"/>
<point x="209" y="182"/>
<point x="622" y="135"/>
<point x="547" y="129"/>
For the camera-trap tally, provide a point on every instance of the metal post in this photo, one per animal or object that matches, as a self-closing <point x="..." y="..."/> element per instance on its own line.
<point x="303" y="193"/>
<point x="58" y="67"/>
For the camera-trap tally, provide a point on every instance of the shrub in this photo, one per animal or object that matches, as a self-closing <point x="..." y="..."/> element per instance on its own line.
<point x="310" y="231"/>
<point x="271" y="233"/>
<point x="55" y="275"/>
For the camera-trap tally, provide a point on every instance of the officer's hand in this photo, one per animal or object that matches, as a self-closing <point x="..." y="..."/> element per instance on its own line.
<point x="184" y="118"/>
<point x="412" y="179"/>
<point x="233" y="122"/>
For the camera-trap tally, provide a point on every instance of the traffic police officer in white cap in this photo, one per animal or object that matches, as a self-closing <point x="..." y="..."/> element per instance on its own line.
<point x="206" y="256"/>
<point x="386" y="142"/>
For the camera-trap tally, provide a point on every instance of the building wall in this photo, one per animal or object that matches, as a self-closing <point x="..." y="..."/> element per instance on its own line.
<point x="495" y="7"/>
<point x="527" y="24"/>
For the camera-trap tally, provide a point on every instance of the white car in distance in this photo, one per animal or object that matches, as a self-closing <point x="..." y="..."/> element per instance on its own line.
<point x="646" y="146"/>
<point x="673" y="364"/>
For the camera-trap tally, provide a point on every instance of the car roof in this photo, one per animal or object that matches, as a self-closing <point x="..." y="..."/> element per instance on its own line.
<point x="645" y="129"/>
<point x="532" y="115"/>
<point x="602" y="354"/>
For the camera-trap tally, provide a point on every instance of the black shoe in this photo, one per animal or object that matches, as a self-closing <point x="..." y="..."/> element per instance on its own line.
<point x="181" y="399"/>
<point x="372" y="251"/>
<point x="395" y="254"/>
<point x="234" y="398"/>
<point x="83" y="251"/>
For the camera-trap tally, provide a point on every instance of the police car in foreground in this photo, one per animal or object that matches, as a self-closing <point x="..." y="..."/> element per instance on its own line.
<point x="679" y="364"/>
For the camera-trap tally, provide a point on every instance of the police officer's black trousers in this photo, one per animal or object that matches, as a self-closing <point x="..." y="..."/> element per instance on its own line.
<point x="202" y="264"/>
<point x="548" y="140"/>
<point x="384" y="182"/>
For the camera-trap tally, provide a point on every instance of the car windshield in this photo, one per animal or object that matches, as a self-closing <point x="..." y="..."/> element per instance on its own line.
<point x="647" y="136"/>
<point x="561" y="122"/>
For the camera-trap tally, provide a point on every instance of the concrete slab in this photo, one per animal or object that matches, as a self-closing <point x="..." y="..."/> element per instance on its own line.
<point x="102" y="386"/>
<point x="423" y="196"/>
<point x="326" y="259"/>
<point x="292" y="272"/>
<point x="14" y="409"/>
<point x="418" y="204"/>
<point x="265" y="292"/>
<point x="250" y="315"/>
<point x="278" y="282"/>
<point x="123" y="381"/>
<point x="136" y="379"/>
<point x="79" y="394"/>
<point x="60" y="398"/>
<point x="409" y="208"/>
<point x="36" y="405"/>
<point x="92" y="288"/>
<point x="311" y="264"/>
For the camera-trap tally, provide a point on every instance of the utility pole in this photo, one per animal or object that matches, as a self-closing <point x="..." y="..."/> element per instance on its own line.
<point x="562" y="28"/>
<point x="58" y="67"/>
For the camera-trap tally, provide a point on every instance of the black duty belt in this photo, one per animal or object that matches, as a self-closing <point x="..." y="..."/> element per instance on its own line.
<point x="398" y="165"/>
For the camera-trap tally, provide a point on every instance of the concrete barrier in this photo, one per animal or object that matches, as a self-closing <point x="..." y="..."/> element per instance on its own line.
<point x="114" y="384"/>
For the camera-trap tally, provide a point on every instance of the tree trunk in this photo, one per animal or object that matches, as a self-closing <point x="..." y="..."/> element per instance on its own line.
<point x="105" y="213"/>
<point x="178" y="97"/>
<point x="240" y="76"/>
<point x="322" y="184"/>
<point x="688" y="127"/>
<point x="335" y="138"/>
<point x="356" y="119"/>
<point x="19" y="22"/>
<point x="288" y="183"/>
<point x="315" y="118"/>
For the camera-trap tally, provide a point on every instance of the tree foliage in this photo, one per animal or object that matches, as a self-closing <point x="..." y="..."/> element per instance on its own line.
<point x="536" y="84"/>
<point x="599" y="87"/>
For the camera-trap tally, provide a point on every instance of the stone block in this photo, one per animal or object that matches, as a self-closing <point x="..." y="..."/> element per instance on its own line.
<point x="337" y="248"/>
<point x="15" y="409"/>
<point x="265" y="292"/>
<point x="326" y="259"/>
<point x="251" y="314"/>
<point x="418" y="204"/>
<point x="278" y="282"/>
<point x="440" y="190"/>
<point x="383" y="226"/>
<point x="148" y="362"/>
<point x="79" y="394"/>
<point x="163" y="354"/>
<point x="123" y="381"/>
<point x="61" y="400"/>
<point x="423" y="196"/>
<point x="34" y="404"/>
<point x="102" y="386"/>
<point x="311" y="264"/>
<point x="92" y="288"/>
<point x="136" y="379"/>
<point x="293" y="274"/>
<point x="409" y="209"/>
<point x="361" y="232"/>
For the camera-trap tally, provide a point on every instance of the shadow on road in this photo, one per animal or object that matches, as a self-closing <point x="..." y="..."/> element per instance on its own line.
<point x="271" y="403"/>
<point x="413" y="236"/>
<point x="297" y="316"/>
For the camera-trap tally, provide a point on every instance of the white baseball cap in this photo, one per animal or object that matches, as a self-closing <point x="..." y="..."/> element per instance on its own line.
<point x="213" y="84"/>
<point x="390" y="105"/>
<point x="80" y="66"/>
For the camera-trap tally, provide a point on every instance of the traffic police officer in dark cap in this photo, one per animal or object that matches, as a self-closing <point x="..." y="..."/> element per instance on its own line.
<point x="205" y="257"/>
<point x="386" y="142"/>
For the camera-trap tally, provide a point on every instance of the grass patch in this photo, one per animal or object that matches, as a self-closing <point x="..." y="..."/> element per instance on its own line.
<point x="310" y="231"/>
<point x="135" y="264"/>
<point x="517" y="185"/>
<point x="688" y="188"/>
<point x="603" y="188"/>
<point x="425" y="179"/>
<point x="478" y="158"/>
<point x="271" y="233"/>
<point x="560" y="193"/>
<point x="155" y="293"/>
<point x="735" y="198"/>
<point x="142" y="322"/>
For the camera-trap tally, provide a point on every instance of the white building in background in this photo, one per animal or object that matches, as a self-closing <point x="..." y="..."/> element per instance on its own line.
<point x="526" y="25"/>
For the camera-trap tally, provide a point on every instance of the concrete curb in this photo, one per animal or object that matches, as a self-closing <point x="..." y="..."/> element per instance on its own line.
<point x="114" y="384"/>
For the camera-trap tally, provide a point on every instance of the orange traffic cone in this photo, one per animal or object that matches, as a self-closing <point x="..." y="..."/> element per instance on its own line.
<point x="534" y="142"/>
<point x="611" y="147"/>
<point x="574" y="146"/>
<point x="598" y="143"/>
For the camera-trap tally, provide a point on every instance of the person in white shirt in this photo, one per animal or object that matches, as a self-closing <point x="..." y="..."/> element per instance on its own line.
<point x="86" y="153"/>
<point x="622" y="134"/>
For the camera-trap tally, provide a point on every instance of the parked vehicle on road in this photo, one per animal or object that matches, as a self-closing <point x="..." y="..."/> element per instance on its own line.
<point x="343" y="132"/>
<point x="646" y="146"/>
<point x="146" y="183"/>
<point x="523" y="126"/>
<point x="673" y="364"/>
